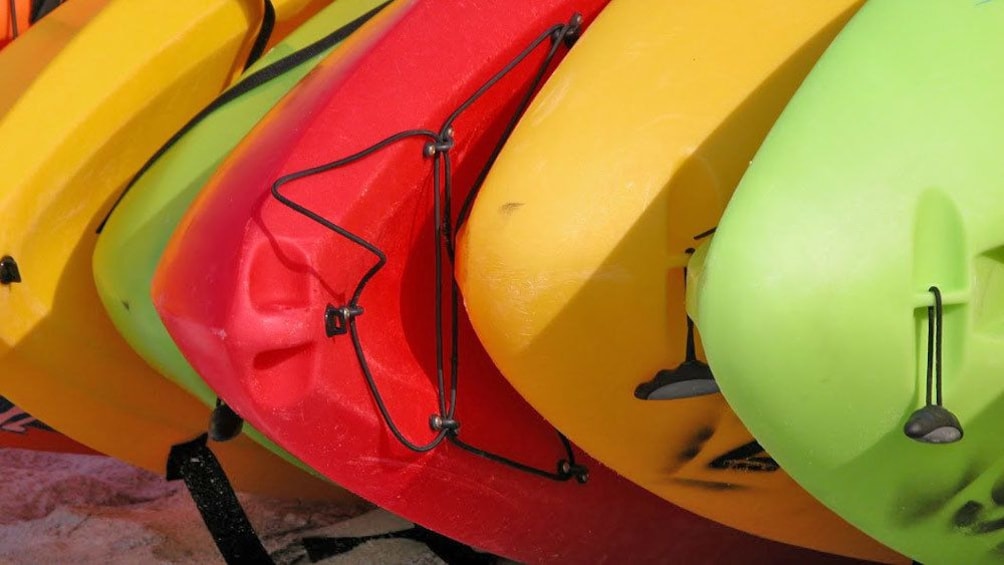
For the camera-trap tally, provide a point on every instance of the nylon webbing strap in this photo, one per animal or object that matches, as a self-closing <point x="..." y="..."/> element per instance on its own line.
<point x="40" y="8"/>
<point x="264" y="34"/>
<point x="194" y="463"/>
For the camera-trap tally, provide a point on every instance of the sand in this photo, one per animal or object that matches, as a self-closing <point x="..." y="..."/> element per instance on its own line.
<point x="81" y="509"/>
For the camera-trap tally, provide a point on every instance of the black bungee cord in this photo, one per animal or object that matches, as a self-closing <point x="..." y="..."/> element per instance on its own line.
<point x="342" y="320"/>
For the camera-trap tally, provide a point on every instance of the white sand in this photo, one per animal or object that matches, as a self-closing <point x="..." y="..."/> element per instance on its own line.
<point x="81" y="509"/>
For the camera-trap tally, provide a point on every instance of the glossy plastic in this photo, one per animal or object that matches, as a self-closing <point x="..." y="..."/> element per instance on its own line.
<point x="20" y="430"/>
<point x="881" y="179"/>
<point x="134" y="237"/>
<point x="245" y="284"/>
<point x="572" y="262"/>
<point x="72" y="133"/>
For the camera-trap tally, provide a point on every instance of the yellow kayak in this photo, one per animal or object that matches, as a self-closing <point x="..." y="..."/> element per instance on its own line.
<point x="118" y="78"/>
<point x="571" y="262"/>
<point x="41" y="45"/>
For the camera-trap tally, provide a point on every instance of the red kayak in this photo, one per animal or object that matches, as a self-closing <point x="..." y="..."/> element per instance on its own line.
<point x="319" y="314"/>
<point x="21" y="430"/>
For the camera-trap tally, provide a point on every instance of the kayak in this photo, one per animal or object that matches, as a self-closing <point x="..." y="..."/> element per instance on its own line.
<point x="572" y="262"/>
<point x="20" y="430"/>
<point x="65" y="158"/>
<point x="135" y="234"/>
<point x="259" y="298"/>
<point x="16" y="16"/>
<point x="39" y="47"/>
<point x="850" y="301"/>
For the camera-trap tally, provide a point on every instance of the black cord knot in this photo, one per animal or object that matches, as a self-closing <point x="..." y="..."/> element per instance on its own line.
<point x="570" y="32"/>
<point x="9" y="273"/>
<point x="934" y="423"/>
<point x="441" y="144"/>
<point x="336" y="320"/>
<point x="224" y="423"/>
<point x="439" y="423"/>
<point x="571" y="470"/>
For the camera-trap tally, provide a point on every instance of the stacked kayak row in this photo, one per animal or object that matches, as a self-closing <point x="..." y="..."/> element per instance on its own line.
<point x="464" y="259"/>
<point x="65" y="158"/>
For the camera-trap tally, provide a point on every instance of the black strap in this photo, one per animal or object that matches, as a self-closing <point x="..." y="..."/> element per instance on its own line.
<point x="41" y="8"/>
<point x="194" y="463"/>
<point x="264" y="34"/>
<point x="450" y="551"/>
<point x="247" y="84"/>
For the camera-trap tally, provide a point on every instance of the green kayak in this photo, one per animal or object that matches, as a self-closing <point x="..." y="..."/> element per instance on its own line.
<point x="135" y="234"/>
<point x="851" y="303"/>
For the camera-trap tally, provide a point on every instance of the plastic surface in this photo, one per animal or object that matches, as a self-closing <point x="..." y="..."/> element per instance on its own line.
<point x="881" y="179"/>
<point x="13" y="24"/>
<point x="64" y="158"/>
<point x="20" y="430"/>
<point x="245" y="284"/>
<point x="132" y="240"/>
<point x="571" y="264"/>
<point x="39" y="47"/>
